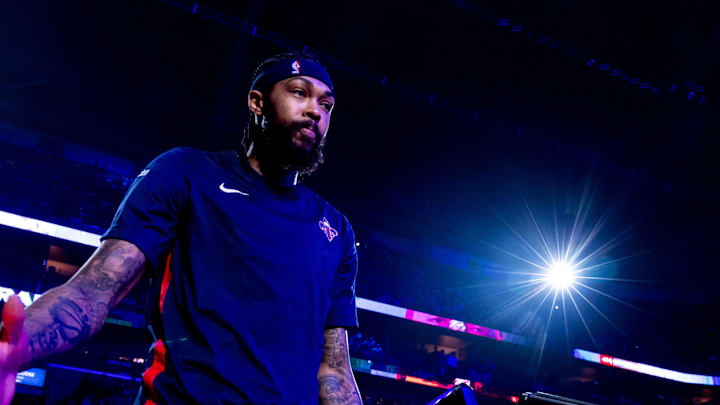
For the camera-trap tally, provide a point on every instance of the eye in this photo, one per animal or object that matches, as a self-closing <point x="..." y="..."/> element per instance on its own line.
<point x="327" y="106"/>
<point x="299" y="92"/>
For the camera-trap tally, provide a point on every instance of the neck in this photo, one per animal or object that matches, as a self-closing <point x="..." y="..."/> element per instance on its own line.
<point x="271" y="173"/>
<point x="255" y="163"/>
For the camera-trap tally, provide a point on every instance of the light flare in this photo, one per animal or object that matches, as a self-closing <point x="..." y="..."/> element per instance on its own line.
<point x="558" y="258"/>
<point x="561" y="275"/>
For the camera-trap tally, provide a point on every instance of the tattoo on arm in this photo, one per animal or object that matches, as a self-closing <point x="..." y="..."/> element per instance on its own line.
<point x="333" y="391"/>
<point x="110" y="269"/>
<point x="334" y="351"/>
<point x="72" y="312"/>
<point x="70" y="323"/>
<point x="336" y="382"/>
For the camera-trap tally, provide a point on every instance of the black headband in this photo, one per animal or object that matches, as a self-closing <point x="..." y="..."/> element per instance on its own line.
<point x="283" y="69"/>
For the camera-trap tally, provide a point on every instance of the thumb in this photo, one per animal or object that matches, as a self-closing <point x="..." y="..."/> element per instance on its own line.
<point x="13" y="316"/>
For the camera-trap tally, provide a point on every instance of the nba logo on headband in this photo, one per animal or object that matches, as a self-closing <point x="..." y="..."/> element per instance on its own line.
<point x="274" y="72"/>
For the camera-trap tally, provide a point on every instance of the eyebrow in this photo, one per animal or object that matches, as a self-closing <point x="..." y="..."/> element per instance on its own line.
<point x="311" y="84"/>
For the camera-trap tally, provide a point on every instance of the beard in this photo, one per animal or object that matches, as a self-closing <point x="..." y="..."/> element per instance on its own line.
<point x="276" y="152"/>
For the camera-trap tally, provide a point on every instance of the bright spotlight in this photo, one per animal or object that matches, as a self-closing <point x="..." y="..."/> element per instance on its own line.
<point x="561" y="275"/>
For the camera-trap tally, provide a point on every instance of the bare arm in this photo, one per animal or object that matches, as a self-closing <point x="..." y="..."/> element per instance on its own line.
<point x="74" y="311"/>
<point x="335" y="377"/>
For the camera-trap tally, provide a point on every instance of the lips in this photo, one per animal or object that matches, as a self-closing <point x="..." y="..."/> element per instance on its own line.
<point x="308" y="132"/>
<point x="307" y="137"/>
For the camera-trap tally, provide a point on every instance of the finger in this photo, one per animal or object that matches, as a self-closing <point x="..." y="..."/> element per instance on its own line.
<point x="13" y="316"/>
<point x="7" y="389"/>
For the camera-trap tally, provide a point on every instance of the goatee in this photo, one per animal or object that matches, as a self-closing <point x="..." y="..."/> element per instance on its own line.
<point x="278" y="155"/>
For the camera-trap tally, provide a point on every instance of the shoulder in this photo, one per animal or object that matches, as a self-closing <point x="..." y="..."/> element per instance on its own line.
<point x="172" y="166"/>
<point x="180" y="159"/>
<point x="177" y="155"/>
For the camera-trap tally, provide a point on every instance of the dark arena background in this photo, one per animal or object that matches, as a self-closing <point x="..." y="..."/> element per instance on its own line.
<point x="533" y="186"/>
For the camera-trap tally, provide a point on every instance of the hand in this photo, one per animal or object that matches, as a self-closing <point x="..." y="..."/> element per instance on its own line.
<point x="13" y="346"/>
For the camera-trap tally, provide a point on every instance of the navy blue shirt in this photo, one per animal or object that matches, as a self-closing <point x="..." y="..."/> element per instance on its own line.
<point x="253" y="274"/>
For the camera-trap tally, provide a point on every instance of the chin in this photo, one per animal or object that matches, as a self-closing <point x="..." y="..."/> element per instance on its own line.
<point x="300" y="145"/>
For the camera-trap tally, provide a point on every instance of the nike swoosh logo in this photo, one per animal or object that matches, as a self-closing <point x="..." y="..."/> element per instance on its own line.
<point x="230" y="190"/>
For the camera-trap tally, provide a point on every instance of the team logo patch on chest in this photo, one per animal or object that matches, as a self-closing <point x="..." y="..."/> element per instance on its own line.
<point x="329" y="231"/>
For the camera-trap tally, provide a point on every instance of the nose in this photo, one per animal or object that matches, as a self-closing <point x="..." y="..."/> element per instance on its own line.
<point x="312" y="110"/>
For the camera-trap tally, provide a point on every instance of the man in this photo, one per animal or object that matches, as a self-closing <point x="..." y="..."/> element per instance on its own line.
<point x="254" y="274"/>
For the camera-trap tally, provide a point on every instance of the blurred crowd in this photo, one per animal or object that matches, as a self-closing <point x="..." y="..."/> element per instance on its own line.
<point x="409" y="280"/>
<point x="41" y="183"/>
<point x="398" y="355"/>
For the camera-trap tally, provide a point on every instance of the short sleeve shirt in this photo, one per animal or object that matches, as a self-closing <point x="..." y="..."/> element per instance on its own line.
<point x="251" y="274"/>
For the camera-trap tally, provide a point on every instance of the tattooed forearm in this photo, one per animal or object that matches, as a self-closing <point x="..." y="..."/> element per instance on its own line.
<point x="72" y="312"/>
<point x="110" y="269"/>
<point x="335" y="390"/>
<point x="69" y="323"/>
<point x="336" y="382"/>
<point x="334" y="353"/>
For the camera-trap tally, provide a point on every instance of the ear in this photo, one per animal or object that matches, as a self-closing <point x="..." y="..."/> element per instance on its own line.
<point x="255" y="102"/>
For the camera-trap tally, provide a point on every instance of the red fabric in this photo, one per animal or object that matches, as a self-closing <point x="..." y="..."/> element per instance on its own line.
<point x="157" y="367"/>
<point x="158" y="364"/>
<point x="167" y="275"/>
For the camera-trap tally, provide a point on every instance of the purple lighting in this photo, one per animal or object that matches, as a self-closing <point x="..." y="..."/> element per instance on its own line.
<point x="646" y="368"/>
